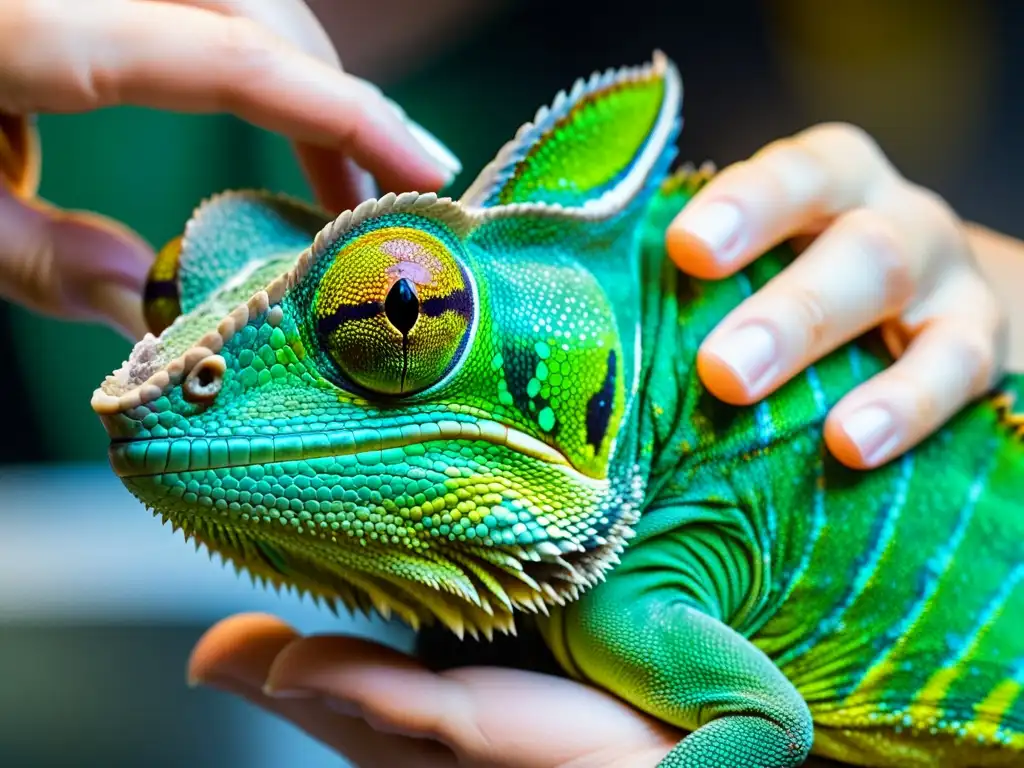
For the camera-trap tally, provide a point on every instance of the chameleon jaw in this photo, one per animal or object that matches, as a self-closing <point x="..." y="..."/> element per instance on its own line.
<point x="156" y="456"/>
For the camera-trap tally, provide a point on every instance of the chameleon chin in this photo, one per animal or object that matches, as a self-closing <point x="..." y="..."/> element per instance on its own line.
<point x="458" y="412"/>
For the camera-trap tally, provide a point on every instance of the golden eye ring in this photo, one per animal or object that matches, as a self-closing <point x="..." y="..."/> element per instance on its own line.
<point x="395" y="309"/>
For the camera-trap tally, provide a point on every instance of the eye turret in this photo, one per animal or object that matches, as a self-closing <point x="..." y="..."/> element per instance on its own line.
<point x="394" y="311"/>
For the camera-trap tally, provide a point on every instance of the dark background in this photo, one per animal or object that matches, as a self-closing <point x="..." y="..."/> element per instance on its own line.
<point x="99" y="605"/>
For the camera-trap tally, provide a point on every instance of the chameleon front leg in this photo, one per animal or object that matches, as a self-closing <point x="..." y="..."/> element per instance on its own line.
<point x="644" y="636"/>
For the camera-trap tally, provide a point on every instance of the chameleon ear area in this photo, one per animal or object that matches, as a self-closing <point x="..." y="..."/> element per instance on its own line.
<point x="609" y="134"/>
<point x="226" y="233"/>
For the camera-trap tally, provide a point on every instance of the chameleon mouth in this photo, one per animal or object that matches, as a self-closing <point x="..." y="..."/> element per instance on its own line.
<point x="157" y="456"/>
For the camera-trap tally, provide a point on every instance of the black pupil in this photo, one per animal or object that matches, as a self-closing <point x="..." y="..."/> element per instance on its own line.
<point x="402" y="306"/>
<point x="205" y="377"/>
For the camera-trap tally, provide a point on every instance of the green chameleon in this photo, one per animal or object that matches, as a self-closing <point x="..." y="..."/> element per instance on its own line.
<point x="460" y="411"/>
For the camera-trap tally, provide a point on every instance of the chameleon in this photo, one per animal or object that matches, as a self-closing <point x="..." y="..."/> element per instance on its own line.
<point x="478" y="412"/>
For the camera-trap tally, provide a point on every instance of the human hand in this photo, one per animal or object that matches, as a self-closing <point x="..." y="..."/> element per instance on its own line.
<point x="879" y="251"/>
<point x="267" y="62"/>
<point x="378" y="707"/>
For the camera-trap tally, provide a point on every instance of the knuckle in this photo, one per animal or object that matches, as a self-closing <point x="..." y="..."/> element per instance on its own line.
<point x="863" y="167"/>
<point x="934" y="209"/>
<point x="95" y="85"/>
<point x="846" y="138"/>
<point x="793" y="170"/>
<point x="979" y="359"/>
<point x="930" y="202"/>
<point x="880" y="241"/>
<point x="922" y="404"/>
<point x="731" y="175"/>
<point x="811" y="309"/>
<point x="355" y="125"/>
<point x="247" y="46"/>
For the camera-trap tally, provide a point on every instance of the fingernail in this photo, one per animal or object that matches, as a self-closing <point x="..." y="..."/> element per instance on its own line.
<point x="444" y="156"/>
<point x="751" y="352"/>
<point x="717" y="225"/>
<point x="873" y="431"/>
<point x="430" y="143"/>
<point x="121" y="308"/>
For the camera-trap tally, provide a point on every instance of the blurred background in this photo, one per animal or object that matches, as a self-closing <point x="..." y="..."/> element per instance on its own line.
<point x="100" y="605"/>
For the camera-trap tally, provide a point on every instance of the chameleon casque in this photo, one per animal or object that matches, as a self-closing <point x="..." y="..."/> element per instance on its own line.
<point x="461" y="411"/>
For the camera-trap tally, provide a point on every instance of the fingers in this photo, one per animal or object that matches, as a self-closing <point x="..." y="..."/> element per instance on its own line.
<point x="241" y="647"/>
<point x="880" y="252"/>
<point x="377" y="706"/>
<point x="174" y="56"/>
<point x="557" y="721"/>
<point x="336" y="180"/>
<point x="236" y="656"/>
<point x="72" y="265"/>
<point x="393" y="690"/>
<point x="791" y="186"/>
<point x="954" y="358"/>
<point x="870" y="265"/>
<point x="850" y="277"/>
<point x="291" y="20"/>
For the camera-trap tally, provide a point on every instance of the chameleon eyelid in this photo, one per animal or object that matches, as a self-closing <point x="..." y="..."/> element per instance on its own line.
<point x="204" y="381"/>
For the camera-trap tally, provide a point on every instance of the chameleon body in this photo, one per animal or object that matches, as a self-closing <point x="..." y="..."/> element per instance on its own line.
<point x="459" y="411"/>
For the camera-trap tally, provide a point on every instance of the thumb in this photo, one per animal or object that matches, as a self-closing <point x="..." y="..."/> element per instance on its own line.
<point x="67" y="264"/>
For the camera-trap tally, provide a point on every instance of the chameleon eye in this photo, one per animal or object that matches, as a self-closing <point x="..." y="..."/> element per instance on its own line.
<point x="394" y="311"/>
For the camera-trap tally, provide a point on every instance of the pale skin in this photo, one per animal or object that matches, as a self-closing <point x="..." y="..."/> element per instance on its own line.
<point x="878" y="250"/>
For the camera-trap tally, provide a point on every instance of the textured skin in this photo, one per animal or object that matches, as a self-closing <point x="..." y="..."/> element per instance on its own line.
<point x="458" y="411"/>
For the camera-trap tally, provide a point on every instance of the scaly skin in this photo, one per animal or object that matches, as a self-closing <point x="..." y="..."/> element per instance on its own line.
<point x="456" y="411"/>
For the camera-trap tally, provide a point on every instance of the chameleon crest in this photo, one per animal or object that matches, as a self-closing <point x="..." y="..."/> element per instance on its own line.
<point x="415" y="406"/>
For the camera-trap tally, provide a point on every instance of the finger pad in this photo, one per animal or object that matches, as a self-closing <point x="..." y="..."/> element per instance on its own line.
<point x="242" y="646"/>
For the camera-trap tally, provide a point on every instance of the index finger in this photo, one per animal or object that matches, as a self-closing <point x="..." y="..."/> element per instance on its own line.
<point x="188" y="59"/>
<point x="790" y="187"/>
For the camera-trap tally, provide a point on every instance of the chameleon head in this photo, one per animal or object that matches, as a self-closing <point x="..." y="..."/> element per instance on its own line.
<point x="415" y="408"/>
